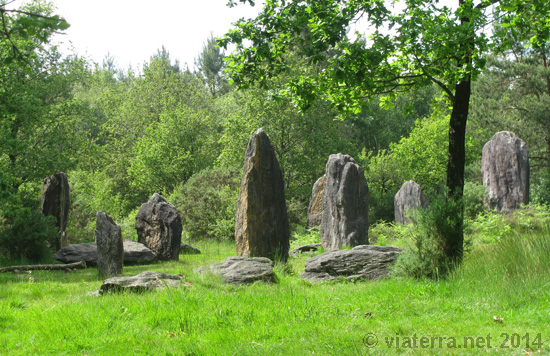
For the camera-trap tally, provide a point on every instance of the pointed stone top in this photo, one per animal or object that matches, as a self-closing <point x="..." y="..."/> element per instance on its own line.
<point x="156" y="198"/>
<point x="103" y="216"/>
<point x="260" y="131"/>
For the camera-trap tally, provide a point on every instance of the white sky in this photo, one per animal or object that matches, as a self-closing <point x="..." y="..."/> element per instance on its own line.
<point x="132" y="30"/>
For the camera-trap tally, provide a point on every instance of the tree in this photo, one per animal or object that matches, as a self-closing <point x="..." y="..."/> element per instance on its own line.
<point x="422" y="42"/>
<point x="23" y="29"/>
<point x="210" y="65"/>
<point x="302" y="143"/>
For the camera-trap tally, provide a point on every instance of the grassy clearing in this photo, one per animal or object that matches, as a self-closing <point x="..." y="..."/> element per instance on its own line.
<point x="50" y="313"/>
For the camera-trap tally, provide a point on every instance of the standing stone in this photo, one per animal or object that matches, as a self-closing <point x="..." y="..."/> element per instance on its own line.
<point x="110" y="251"/>
<point x="56" y="201"/>
<point x="159" y="227"/>
<point x="261" y="224"/>
<point x="345" y="204"/>
<point x="505" y="168"/>
<point x="410" y="196"/>
<point x="315" y="209"/>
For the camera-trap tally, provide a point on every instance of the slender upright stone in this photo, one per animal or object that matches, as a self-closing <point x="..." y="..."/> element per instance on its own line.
<point x="261" y="224"/>
<point x="110" y="251"/>
<point x="505" y="168"/>
<point x="159" y="227"/>
<point x="410" y="196"/>
<point x="345" y="204"/>
<point x="56" y="201"/>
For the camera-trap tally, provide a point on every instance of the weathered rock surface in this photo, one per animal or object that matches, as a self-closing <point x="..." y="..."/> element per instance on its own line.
<point x="345" y="204"/>
<point x="56" y="201"/>
<point x="159" y="227"/>
<point x="505" y="168"/>
<point x="361" y="262"/>
<point x="315" y="208"/>
<point x="110" y="252"/>
<point x="145" y="281"/>
<point x="242" y="270"/>
<point x="134" y="253"/>
<point x="189" y="250"/>
<point x="305" y="248"/>
<point x="410" y="196"/>
<point x="261" y="224"/>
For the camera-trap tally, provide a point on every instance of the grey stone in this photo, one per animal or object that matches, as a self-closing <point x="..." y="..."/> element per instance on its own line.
<point x="159" y="227"/>
<point x="305" y="248"/>
<point x="261" y="223"/>
<point x="410" y="196"/>
<point x="315" y="208"/>
<point x="242" y="270"/>
<point x="361" y="262"/>
<point x="189" y="250"/>
<point x="56" y="201"/>
<point x="345" y="204"/>
<point x="505" y="168"/>
<point x="145" y="281"/>
<point x="110" y="253"/>
<point x="134" y="253"/>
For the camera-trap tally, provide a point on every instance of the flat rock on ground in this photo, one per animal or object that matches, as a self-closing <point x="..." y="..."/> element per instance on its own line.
<point x="361" y="262"/>
<point x="144" y="281"/>
<point x="189" y="250"/>
<point x="242" y="270"/>
<point x="134" y="253"/>
<point x="305" y="248"/>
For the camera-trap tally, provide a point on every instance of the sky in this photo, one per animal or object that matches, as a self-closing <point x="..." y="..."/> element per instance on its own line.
<point x="132" y="31"/>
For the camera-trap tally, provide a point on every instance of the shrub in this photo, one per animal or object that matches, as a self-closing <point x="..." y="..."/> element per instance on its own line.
<point x="473" y="199"/>
<point x="302" y="236"/>
<point x="207" y="203"/>
<point x="432" y="229"/>
<point x="387" y="233"/>
<point x="491" y="226"/>
<point x="540" y="192"/>
<point x="27" y="234"/>
<point x="384" y="180"/>
<point x="90" y="192"/>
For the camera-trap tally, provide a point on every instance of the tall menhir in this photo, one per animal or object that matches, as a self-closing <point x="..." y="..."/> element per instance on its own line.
<point x="261" y="224"/>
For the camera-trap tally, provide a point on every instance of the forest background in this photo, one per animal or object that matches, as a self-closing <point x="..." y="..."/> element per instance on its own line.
<point x="123" y="134"/>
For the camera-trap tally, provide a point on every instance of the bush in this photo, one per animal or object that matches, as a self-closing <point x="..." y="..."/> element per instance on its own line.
<point x="207" y="203"/>
<point x="302" y="236"/>
<point x="384" y="180"/>
<point x="540" y="192"/>
<point x="431" y="234"/>
<point x="387" y="233"/>
<point x="90" y="192"/>
<point x="490" y="226"/>
<point x="473" y="199"/>
<point x="27" y="234"/>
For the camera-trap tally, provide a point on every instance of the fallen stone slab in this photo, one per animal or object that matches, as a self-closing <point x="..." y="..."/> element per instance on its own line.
<point x="242" y="270"/>
<point x="361" y="262"/>
<point x="134" y="253"/>
<point x="25" y="268"/>
<point x="145" y="281"/>
<point x="305" y="248"/>
<point x="189" y="250"/>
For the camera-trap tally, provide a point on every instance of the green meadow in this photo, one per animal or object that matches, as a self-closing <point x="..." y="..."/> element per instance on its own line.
<point x="497" y="302"/>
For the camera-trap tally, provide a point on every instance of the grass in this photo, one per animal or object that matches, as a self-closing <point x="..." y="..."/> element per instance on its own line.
<point x="50" y="312"/>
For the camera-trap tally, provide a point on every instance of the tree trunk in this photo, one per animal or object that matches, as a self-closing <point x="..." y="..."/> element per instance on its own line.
<point x="453" y="245"/>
